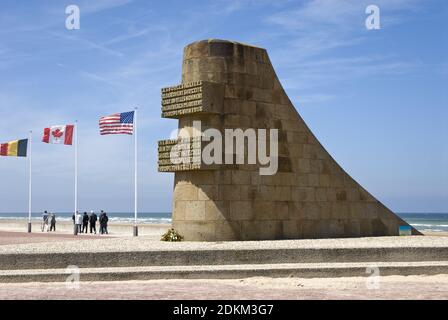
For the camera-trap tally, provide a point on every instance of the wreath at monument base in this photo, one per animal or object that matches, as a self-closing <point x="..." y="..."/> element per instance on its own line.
<point x="172" y="236"/>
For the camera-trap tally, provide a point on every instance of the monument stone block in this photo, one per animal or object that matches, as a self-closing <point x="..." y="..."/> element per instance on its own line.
<point x="228" y="85"/>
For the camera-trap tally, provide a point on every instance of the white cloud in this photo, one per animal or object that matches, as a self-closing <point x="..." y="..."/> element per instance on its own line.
<point x="316" y="31"/>
<point x="88" y="6"/>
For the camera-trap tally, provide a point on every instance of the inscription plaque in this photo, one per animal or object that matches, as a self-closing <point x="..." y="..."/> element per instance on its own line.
<point x="191" y="98"/>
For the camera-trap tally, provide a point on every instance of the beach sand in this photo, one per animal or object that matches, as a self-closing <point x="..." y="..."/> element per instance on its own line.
<point x="64" y="230"/>
<point x="436" y="234"/>
<point x="15" y="231"/>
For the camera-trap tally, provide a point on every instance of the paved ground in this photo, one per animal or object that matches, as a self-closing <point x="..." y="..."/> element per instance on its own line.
<point x="8" y="238"/>
<point x="390" y="287"/>
<point x="145" y="243"/>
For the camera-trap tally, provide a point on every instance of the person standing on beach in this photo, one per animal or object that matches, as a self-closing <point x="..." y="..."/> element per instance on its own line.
<point x="105" y="220"/>
<point x="92" y="221"/>
<point x="52" y="222"/>
<point x="45" y="217"/>
<point x="100" y="219"/>
<point x="78" y="222"/>
<point x="85" y="222"/>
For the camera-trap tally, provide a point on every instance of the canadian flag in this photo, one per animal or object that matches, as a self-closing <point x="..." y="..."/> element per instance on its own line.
<point x="59" y="134"/>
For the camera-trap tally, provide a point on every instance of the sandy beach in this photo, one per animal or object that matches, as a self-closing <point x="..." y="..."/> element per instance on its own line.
<point x="116" y="229"/>
<point x="64" y="230"/>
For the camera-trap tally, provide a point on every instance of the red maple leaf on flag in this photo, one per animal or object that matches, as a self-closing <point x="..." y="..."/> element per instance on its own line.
<point x="57" y="133"/>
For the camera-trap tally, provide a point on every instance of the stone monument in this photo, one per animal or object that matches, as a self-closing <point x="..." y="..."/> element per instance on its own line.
<point x="229" y="85"/>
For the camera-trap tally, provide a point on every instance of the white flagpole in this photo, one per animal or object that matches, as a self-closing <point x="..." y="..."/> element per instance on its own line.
<point x="76" y="165"/>
<point x="135" y="174"/>
<point x="30" y="181"/>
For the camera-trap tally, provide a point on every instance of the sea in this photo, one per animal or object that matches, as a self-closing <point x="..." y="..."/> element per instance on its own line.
<point x="143" y="217"/>
<point x="435" y="222"/>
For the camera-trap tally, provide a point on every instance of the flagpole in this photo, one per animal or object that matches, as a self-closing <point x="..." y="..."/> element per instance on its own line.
<point x="76" y="165"/>
<point x="135" y="174"/>
<point x="30" y="181"/>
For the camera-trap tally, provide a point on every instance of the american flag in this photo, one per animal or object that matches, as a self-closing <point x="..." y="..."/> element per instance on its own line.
<point x="119" y="123"/>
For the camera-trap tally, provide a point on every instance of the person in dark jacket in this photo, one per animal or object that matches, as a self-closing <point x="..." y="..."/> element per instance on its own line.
<point x="52" y="222"/>
<point x="103" y="222"/>
<point x="100" y="220"/>
<point x="92" y="221"/>
<point x="85" y="222"/>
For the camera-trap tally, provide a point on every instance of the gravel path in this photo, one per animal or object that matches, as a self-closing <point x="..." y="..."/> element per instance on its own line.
<point x="145" y="243"/>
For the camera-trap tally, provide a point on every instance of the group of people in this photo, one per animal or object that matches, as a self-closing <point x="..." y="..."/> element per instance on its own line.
<point x="83" y="221"/>
<point x="49" y="222"/>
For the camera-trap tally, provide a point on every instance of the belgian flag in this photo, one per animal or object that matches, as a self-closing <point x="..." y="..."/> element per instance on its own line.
<point x="15" y="148"/>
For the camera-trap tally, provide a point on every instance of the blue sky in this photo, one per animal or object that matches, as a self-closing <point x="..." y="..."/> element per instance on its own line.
<point x="377" y="100"/>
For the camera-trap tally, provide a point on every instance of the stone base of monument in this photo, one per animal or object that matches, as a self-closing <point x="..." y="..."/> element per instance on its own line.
<point x="141" y="259"/>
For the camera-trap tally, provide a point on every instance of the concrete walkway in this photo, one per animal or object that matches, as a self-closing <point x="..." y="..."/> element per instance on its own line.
<point x="390" y="287"/>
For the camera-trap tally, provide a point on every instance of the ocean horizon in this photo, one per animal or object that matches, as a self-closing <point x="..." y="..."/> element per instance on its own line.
<point x="429" y="222"/>
<point x="143" y="217"/>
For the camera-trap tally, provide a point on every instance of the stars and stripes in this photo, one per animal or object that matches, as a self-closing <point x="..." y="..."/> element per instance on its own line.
<point x="119" y="123"/>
